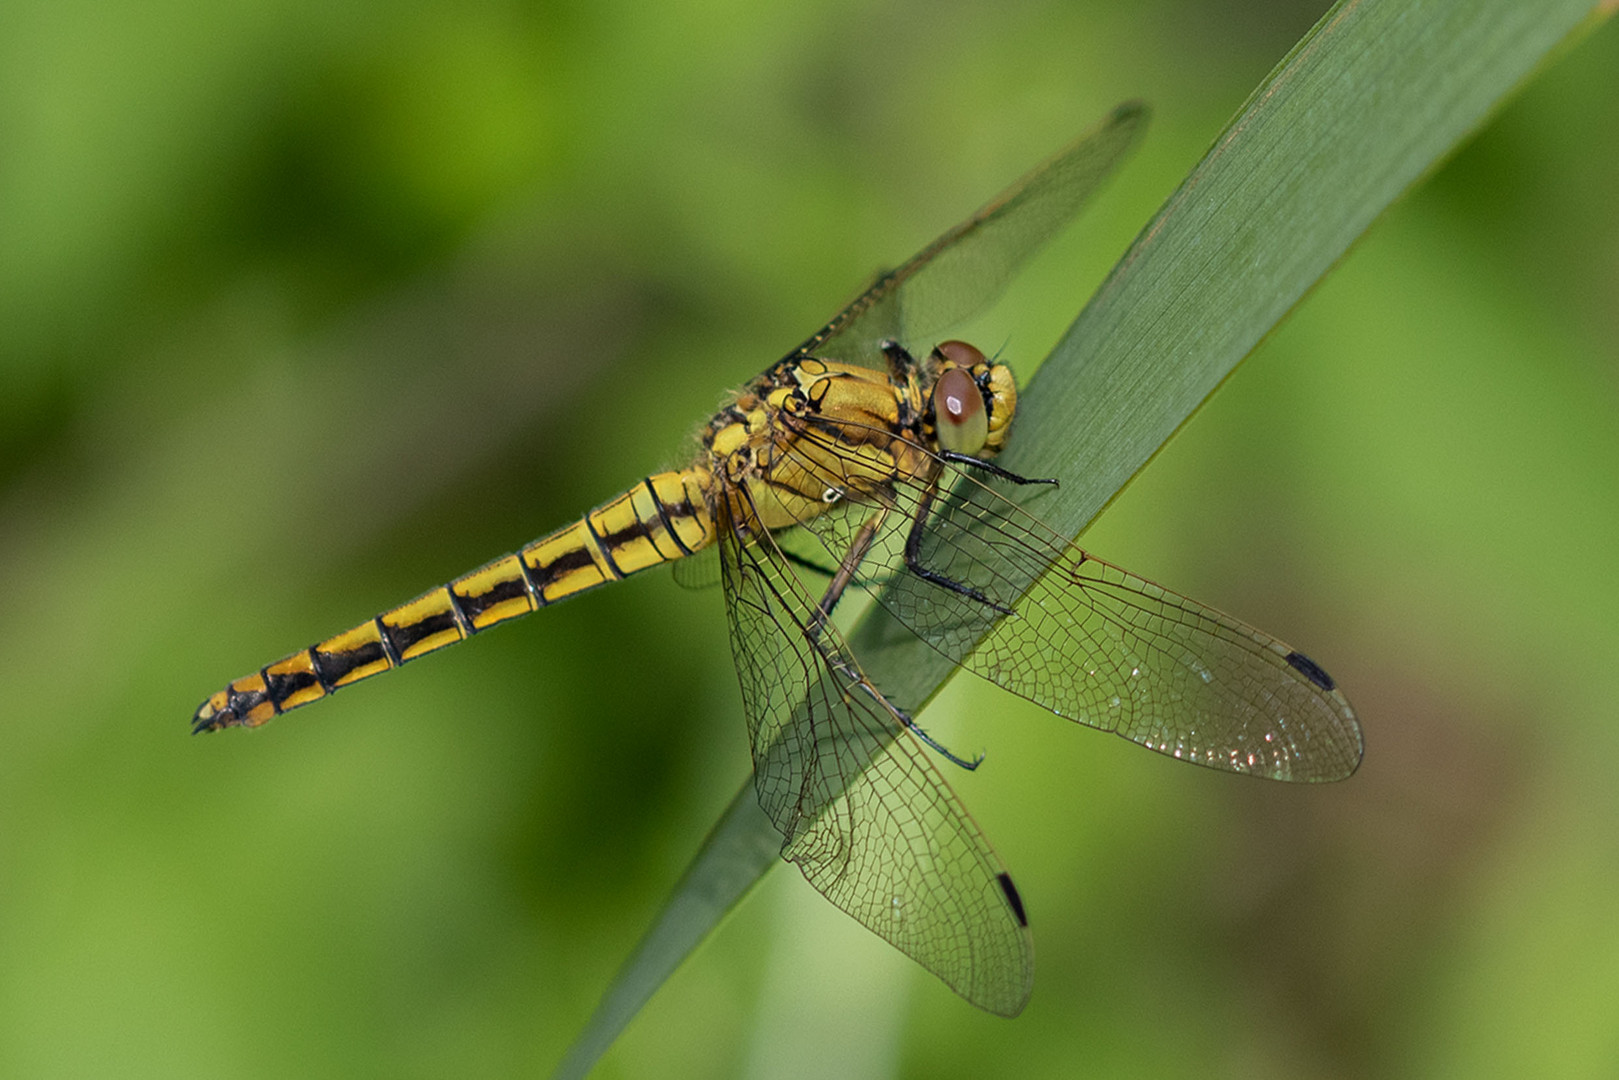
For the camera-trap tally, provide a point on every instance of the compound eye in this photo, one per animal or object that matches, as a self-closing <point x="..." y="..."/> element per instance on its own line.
<point x="960" y="419"/>
<point x="959" y="353"/>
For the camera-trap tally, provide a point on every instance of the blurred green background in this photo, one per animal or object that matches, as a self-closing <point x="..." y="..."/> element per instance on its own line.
<point x="307" y="307"/>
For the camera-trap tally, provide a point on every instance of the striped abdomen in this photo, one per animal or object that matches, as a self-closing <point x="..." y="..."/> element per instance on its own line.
<point x="662" y="518"/>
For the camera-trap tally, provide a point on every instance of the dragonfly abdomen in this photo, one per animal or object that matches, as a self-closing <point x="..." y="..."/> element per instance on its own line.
<point x="664" y="517"/>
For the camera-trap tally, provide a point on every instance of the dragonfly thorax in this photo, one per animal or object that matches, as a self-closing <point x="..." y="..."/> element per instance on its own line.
<point x="803" y="428"/>
<point x="808" y="426"/>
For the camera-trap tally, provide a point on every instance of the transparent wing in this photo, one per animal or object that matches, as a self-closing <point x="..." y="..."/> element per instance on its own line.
<point x="1091" y="642"/>
<point x="698" y="571"/>
<point x="962" y="271"/>
<point x="864" y="812"/>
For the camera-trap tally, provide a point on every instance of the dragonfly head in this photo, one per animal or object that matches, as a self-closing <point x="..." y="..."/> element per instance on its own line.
<point x="973" y="400"/>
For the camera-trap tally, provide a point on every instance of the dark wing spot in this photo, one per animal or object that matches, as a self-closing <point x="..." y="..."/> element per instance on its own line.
<point x="1311" y="670"/>
<point x="1013" y="898"/>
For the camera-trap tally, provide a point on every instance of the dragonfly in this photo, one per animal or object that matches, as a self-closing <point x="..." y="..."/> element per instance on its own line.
<point x="854" y="462"/>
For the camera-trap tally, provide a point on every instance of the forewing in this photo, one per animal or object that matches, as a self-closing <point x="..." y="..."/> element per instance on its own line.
<point x="864" y="813"/>
<point x="1097" y="644"/>
<point x="965" y="269"/>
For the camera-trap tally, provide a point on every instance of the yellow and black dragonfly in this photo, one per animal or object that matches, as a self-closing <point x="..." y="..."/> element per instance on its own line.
<point x="854" y="462"/>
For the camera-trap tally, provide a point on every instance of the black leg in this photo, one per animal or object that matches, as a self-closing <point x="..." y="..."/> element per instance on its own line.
<point x="992" y="468"/>
<point x="939" y="747"/>
<point x="913" y="558"/>
<point x="905" y="718"/>
<point x="844" y="575"/>
<point x="823" y="612"/>
<point x="804" y="563"/>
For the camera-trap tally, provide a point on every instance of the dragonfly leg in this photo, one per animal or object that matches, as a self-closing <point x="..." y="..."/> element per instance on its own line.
<point x="905" y="718"/>
<point x="803" y="562"/>
<point x="913" y="558"/>
<point x="813" y="628"/>
<point x="943" y="751"/>
<point x="844" y="575"/>
<point x="993" y="469"/>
